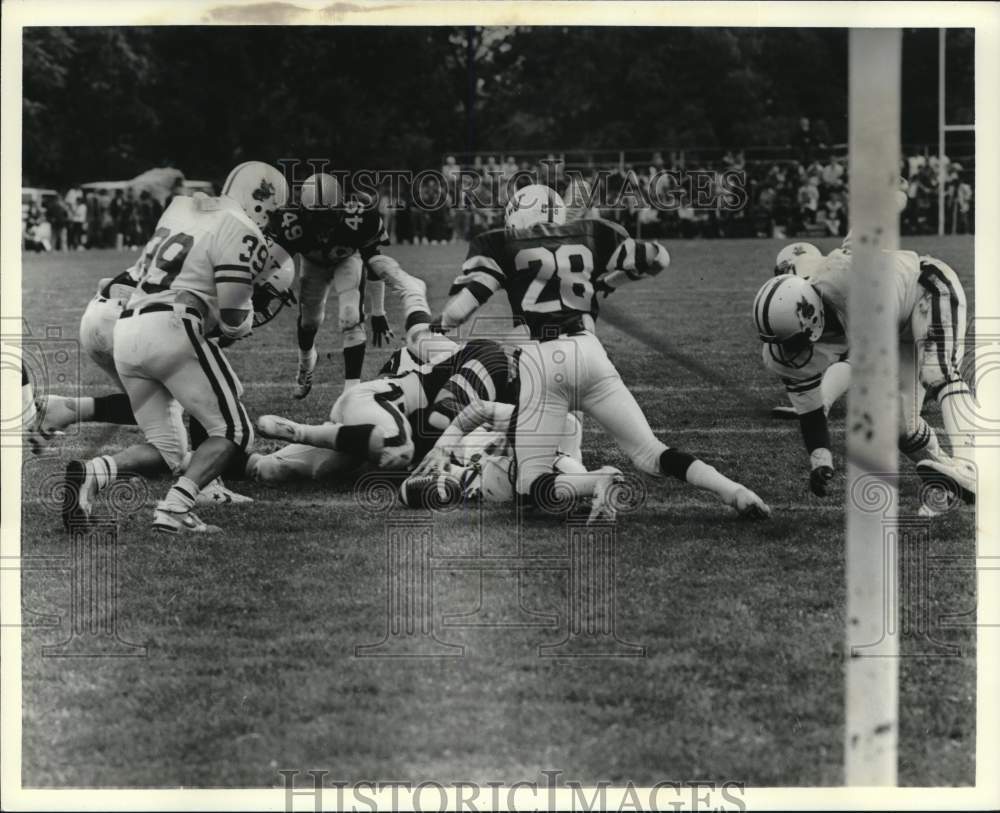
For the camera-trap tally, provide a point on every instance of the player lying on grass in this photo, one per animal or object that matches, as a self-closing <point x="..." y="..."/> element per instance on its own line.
<point x="388" y="422"/>
<point x="195" y="284"/>
<point x="550" y="270"/>
<point x="335" y="239"/>
<point x="272" y="289"/>
<point x="801" y="321"/>
<point x="472" y="461"/>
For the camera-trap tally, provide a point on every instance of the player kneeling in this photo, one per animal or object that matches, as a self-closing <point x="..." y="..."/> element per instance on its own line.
<point x="802" y="324"/>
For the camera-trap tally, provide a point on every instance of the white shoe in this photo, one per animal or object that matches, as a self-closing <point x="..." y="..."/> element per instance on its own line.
<point x="216" y="493"/>
<point x="304" y="379"/>
<point x="602" y="506"/>
<point x="749" y="505"/>
<point x="278" y="428"/>
<point x="55" y="415"/>
<point x="949" y="475"/>
<point x="178" y="522"/>
<point x="79" y="491"/>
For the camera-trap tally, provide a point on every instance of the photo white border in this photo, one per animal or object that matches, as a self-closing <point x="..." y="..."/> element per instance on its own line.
<point x="984" y="17"/>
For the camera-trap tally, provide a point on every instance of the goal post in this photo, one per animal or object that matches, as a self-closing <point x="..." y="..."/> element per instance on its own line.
<point x="871" y="655"/>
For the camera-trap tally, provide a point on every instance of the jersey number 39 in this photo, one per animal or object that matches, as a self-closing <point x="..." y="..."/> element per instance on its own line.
<point x="570" y="264"/>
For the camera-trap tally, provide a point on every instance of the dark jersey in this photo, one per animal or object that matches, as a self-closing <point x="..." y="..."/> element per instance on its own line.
<point x="546" y="270"/>
<point x="330" y="236"/>
<point x="433" y="394"/>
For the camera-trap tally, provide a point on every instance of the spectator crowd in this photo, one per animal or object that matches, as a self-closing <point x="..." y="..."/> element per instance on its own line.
<point x="79" y="219"/>
<point x="804" y="193"/>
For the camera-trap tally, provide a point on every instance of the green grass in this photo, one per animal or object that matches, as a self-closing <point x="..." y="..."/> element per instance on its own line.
<point x="251" y="634"/>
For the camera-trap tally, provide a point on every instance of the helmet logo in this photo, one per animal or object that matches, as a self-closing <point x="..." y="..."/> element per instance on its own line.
<point x="806" y="313"/>
<point x="264" y="191"/>
<point x="798" y="251"/>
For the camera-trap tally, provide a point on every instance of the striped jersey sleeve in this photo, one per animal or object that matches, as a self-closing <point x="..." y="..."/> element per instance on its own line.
<point x="482" y="274"/>
<point x="480" y="372"/>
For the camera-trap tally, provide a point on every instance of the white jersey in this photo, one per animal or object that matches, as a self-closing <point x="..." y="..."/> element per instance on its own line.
<point x="206" y="248"/>
<point x="803" y="381"/>
<point x="832" y="278"/>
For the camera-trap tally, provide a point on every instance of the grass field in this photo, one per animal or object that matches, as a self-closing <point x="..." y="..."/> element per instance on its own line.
<point x="251" y="635"/>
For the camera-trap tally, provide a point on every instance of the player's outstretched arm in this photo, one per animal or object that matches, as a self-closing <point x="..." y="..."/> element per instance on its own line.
<point x="633" y="260"/>
<point x="488" y="414"/>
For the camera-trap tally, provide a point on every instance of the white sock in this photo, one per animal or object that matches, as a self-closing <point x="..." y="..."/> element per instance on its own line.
<point x="181" y="496"/>
<point x="836" y="380"/>
<point x="921" y="443"/>
<point x="959" y="411"/>
<point x="701" y="475"/>
<point x="104" y="469"/>
<point x="351" y="382"/>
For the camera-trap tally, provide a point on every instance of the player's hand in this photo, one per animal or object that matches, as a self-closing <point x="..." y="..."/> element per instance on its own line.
<point x="600" y="286"/>
<point x="433" y="462"/>
<point x="819" y="480"/>
<point x="381" y="332"/>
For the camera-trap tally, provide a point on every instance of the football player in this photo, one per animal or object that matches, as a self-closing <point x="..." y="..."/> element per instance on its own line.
<point x="334" y="238"/>
<point x="551" y="271"/>
<point x="390" y="421"/>
<point x="272" y="290"/>
<point x="195" y="282"/>
<point x="800" y="258"/>
<point x="474" y="454"/>
<point x="802" y="325"/>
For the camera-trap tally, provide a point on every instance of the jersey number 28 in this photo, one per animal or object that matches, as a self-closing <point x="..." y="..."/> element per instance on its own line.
<point x="571" y="264"/>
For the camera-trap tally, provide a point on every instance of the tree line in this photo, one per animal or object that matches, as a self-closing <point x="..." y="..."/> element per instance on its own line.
<point x="108" y="103"/>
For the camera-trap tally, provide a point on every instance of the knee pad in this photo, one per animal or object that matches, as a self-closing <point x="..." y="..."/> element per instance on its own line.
<point x="354" y="335"/>
<point x="349" y="310"/>
<point x="647" y="458"/>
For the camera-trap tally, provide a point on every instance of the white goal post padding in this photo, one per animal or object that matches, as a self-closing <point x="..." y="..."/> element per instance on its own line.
<point x="872" y="674"/>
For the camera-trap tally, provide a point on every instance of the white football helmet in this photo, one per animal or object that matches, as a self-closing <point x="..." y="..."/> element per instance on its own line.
<point x="533" y="204"/>
<point x="788" y="258"/>
<point x="788" y="313"/>
<point x="320" y="192"/>
<point x="272" y="287"/>
<point x="257" y="187"/>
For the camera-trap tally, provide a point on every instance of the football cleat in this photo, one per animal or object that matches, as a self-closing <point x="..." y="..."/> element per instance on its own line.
<point x="749" y="505"/>
<point x="304" y="379"/>
<point x="951" y="476"/>
<point x="278" y="428"/>
<point x="216" y="493"/>
<point x="79" y="490"/>
<point x="180" y="522"/>
<point x="602" y="505"/>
